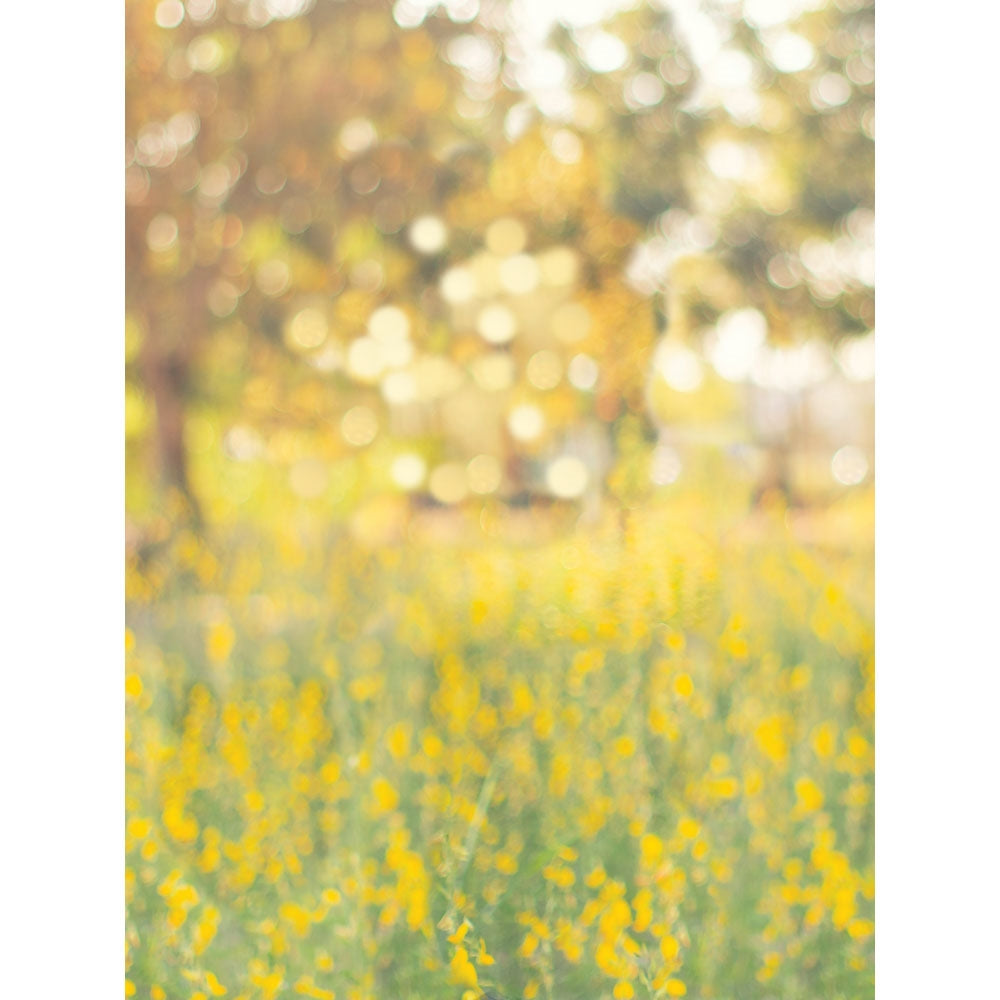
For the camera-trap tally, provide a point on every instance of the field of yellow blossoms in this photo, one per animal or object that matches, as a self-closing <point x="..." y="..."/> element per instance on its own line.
<point x="632" y="760"/>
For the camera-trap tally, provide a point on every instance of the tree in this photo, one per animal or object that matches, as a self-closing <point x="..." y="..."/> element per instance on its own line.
<point x="341" y="216"/>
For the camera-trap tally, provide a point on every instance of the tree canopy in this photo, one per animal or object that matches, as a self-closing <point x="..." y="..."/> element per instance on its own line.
<point x="412" y="247"/>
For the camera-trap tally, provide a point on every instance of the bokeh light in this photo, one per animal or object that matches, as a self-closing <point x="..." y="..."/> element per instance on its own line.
<point x="484" y="474"/>
<point x="849" y="465"/>
<point x="735" y="345"/>
<point x="583" y="372"/>
<point x="665" y="466"/>
<point x="506" y="237"/>
<point x="169" y="13"/>
<point x="448" y="483"/>
<point x="526" y="422"/>
<point x="678" y="366"/>
<point x="357" y="135"/>
<point x="359" y="426"/>
<point x="499" y="443"/>
<point x="544" y="369"/>
<point x="307" y="329"/>
<point x="408" y="470"/>
<point x="365" y="359"/>
<point x="496" y="323"/>
<point x="162" y="232"/>
<point x="458" y="285"/>
<point x="428" y="234"/>
<point x="567" y="477"/>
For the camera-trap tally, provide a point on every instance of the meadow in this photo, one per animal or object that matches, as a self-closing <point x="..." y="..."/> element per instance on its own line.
<point x="498" y="418"/>
<point x="631" y="759"/>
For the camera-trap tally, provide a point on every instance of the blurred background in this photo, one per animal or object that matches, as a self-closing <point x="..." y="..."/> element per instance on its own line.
<point x="499" y="511"/>
<point x="495" y="267"/>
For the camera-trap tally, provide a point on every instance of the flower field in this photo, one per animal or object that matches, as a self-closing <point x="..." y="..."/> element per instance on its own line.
<point x="633" y="759"/>
<point x="499" y="436"/>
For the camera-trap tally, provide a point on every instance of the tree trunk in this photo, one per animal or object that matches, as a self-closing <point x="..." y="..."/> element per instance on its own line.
<point x="165" y="361"/>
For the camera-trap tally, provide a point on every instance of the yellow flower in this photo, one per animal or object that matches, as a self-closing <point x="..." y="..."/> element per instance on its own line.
<point x="330" y="771"/>
<point x="809" y="794"/>
<point x="386" y="797"/>
<point x="859" y="928"/>
<point x="771" y="740"/>
<point x="608" y="961"/>
<point x="483" y="957"/>
<point x="397" y="740"/>
<point x="214" y="986"/>
<point x="651" y="849"/>
<point x="206" y="929"/>
<point x="306" y="987"/>
<point x="505" y="863"/>
<point x="431" y="744"/>
<point x="296" y="915"/>
<point x="669" y="947"/>
<point x="138" y="828"/>
<point x="219" y="641"/>
<point x="365" y="688"/>
<point x="724" y="788"/>
<point x="459" y="935"/>
<point x="623" y="990"/>
<point x="463" y="972"/>
<point x="688" y="828"/>
<point x="676" y="988"/>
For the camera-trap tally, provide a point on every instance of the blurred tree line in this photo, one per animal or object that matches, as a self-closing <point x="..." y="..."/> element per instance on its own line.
<point x="397" y="229"/>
